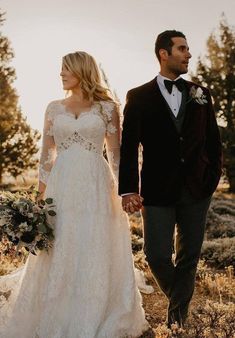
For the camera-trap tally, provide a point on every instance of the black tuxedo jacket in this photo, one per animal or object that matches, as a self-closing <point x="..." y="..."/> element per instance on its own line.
<point x="170" y="159"/>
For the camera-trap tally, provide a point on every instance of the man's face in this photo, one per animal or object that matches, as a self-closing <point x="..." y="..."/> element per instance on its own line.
<point x="177" y="61"/>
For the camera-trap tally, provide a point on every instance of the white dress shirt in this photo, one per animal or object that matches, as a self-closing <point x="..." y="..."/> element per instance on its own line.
<point x="173" y="99"/>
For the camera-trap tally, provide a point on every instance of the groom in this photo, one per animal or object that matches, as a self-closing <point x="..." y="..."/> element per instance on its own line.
<point x="174" y="121"/>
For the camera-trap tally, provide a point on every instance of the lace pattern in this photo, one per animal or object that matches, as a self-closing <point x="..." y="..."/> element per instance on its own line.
<point x="48" y="153"/>
<point x="50" y="131"/>
<point x="52" y="143"/>
<point x="113" y="132"/>
<point x="43" y="174"/>
<point x="77" y="138"/>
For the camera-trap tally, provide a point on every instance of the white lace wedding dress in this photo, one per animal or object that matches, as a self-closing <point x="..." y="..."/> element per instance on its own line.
<point x="85" y="287"/>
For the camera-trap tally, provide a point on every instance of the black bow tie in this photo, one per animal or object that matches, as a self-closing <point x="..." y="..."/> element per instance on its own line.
<point x="179" y="84"/>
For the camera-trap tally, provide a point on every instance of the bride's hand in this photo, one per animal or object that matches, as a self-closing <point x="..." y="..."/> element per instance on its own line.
<point x="41" y="192"/>
<point x="40" y="197"/>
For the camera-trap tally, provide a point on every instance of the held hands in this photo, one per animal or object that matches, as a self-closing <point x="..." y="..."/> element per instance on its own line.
<point x="132" y="203"/>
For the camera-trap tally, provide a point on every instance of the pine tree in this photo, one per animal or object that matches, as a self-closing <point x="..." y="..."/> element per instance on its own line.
<point x="18" y="142"/>
<point x="217" y="71"/>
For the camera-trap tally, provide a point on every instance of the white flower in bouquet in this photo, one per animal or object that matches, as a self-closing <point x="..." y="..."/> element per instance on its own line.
<point x="23" y="226"/>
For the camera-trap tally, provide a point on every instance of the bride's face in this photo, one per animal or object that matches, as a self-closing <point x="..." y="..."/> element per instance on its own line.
<point x="68" y="79"/>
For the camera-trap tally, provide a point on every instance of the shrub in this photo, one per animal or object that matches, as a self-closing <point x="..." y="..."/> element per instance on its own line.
<point x="11" y="260"/>
<point x="212" y="319"/>
<point x="221" y="219"/>
<point x="219" y="252"/>
<point x="219" y="286"/>
<point x="224" y="206"/>
<point x="224" y="228"/>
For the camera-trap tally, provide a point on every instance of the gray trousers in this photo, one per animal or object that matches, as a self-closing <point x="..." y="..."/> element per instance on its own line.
<point x="176" y="277"/>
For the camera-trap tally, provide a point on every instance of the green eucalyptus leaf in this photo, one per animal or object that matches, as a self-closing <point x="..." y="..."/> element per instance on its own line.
<point x="42" y="228"/>
<point x="49" y="201"/>
<point x="51" y="213"/>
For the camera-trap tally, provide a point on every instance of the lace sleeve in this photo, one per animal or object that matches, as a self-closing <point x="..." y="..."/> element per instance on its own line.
<point x="113" y="137"/>
<point x="48" y="152"/>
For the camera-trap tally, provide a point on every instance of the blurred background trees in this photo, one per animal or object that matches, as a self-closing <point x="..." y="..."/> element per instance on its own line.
<point x="216" y="70"/>
<point x="18" y="142"/>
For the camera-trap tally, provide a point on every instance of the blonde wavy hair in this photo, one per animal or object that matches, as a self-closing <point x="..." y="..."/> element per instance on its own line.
<point x="84" y="67"/>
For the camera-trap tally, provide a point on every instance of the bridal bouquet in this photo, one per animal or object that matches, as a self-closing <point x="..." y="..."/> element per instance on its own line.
<point x="25" y="223"/>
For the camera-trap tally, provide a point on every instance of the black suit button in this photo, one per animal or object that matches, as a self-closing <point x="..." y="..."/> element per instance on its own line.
<point x="181" y="138"/>
<point x="182" y="160"/>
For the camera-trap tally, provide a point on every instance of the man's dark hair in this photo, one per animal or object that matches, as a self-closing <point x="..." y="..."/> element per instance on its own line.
<point x="164" y="41"/>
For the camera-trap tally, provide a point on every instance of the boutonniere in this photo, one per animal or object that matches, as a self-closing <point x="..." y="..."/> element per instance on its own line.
<point x="196" y="94"/>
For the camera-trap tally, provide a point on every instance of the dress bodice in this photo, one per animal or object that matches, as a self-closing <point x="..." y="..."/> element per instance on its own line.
<point x="90" y="130"/>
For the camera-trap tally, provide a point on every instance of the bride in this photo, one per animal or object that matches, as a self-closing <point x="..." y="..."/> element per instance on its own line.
<point x="85" y="287"/>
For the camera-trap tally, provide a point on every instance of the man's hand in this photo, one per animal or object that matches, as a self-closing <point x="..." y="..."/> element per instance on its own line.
<point x="132" y="203"/>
